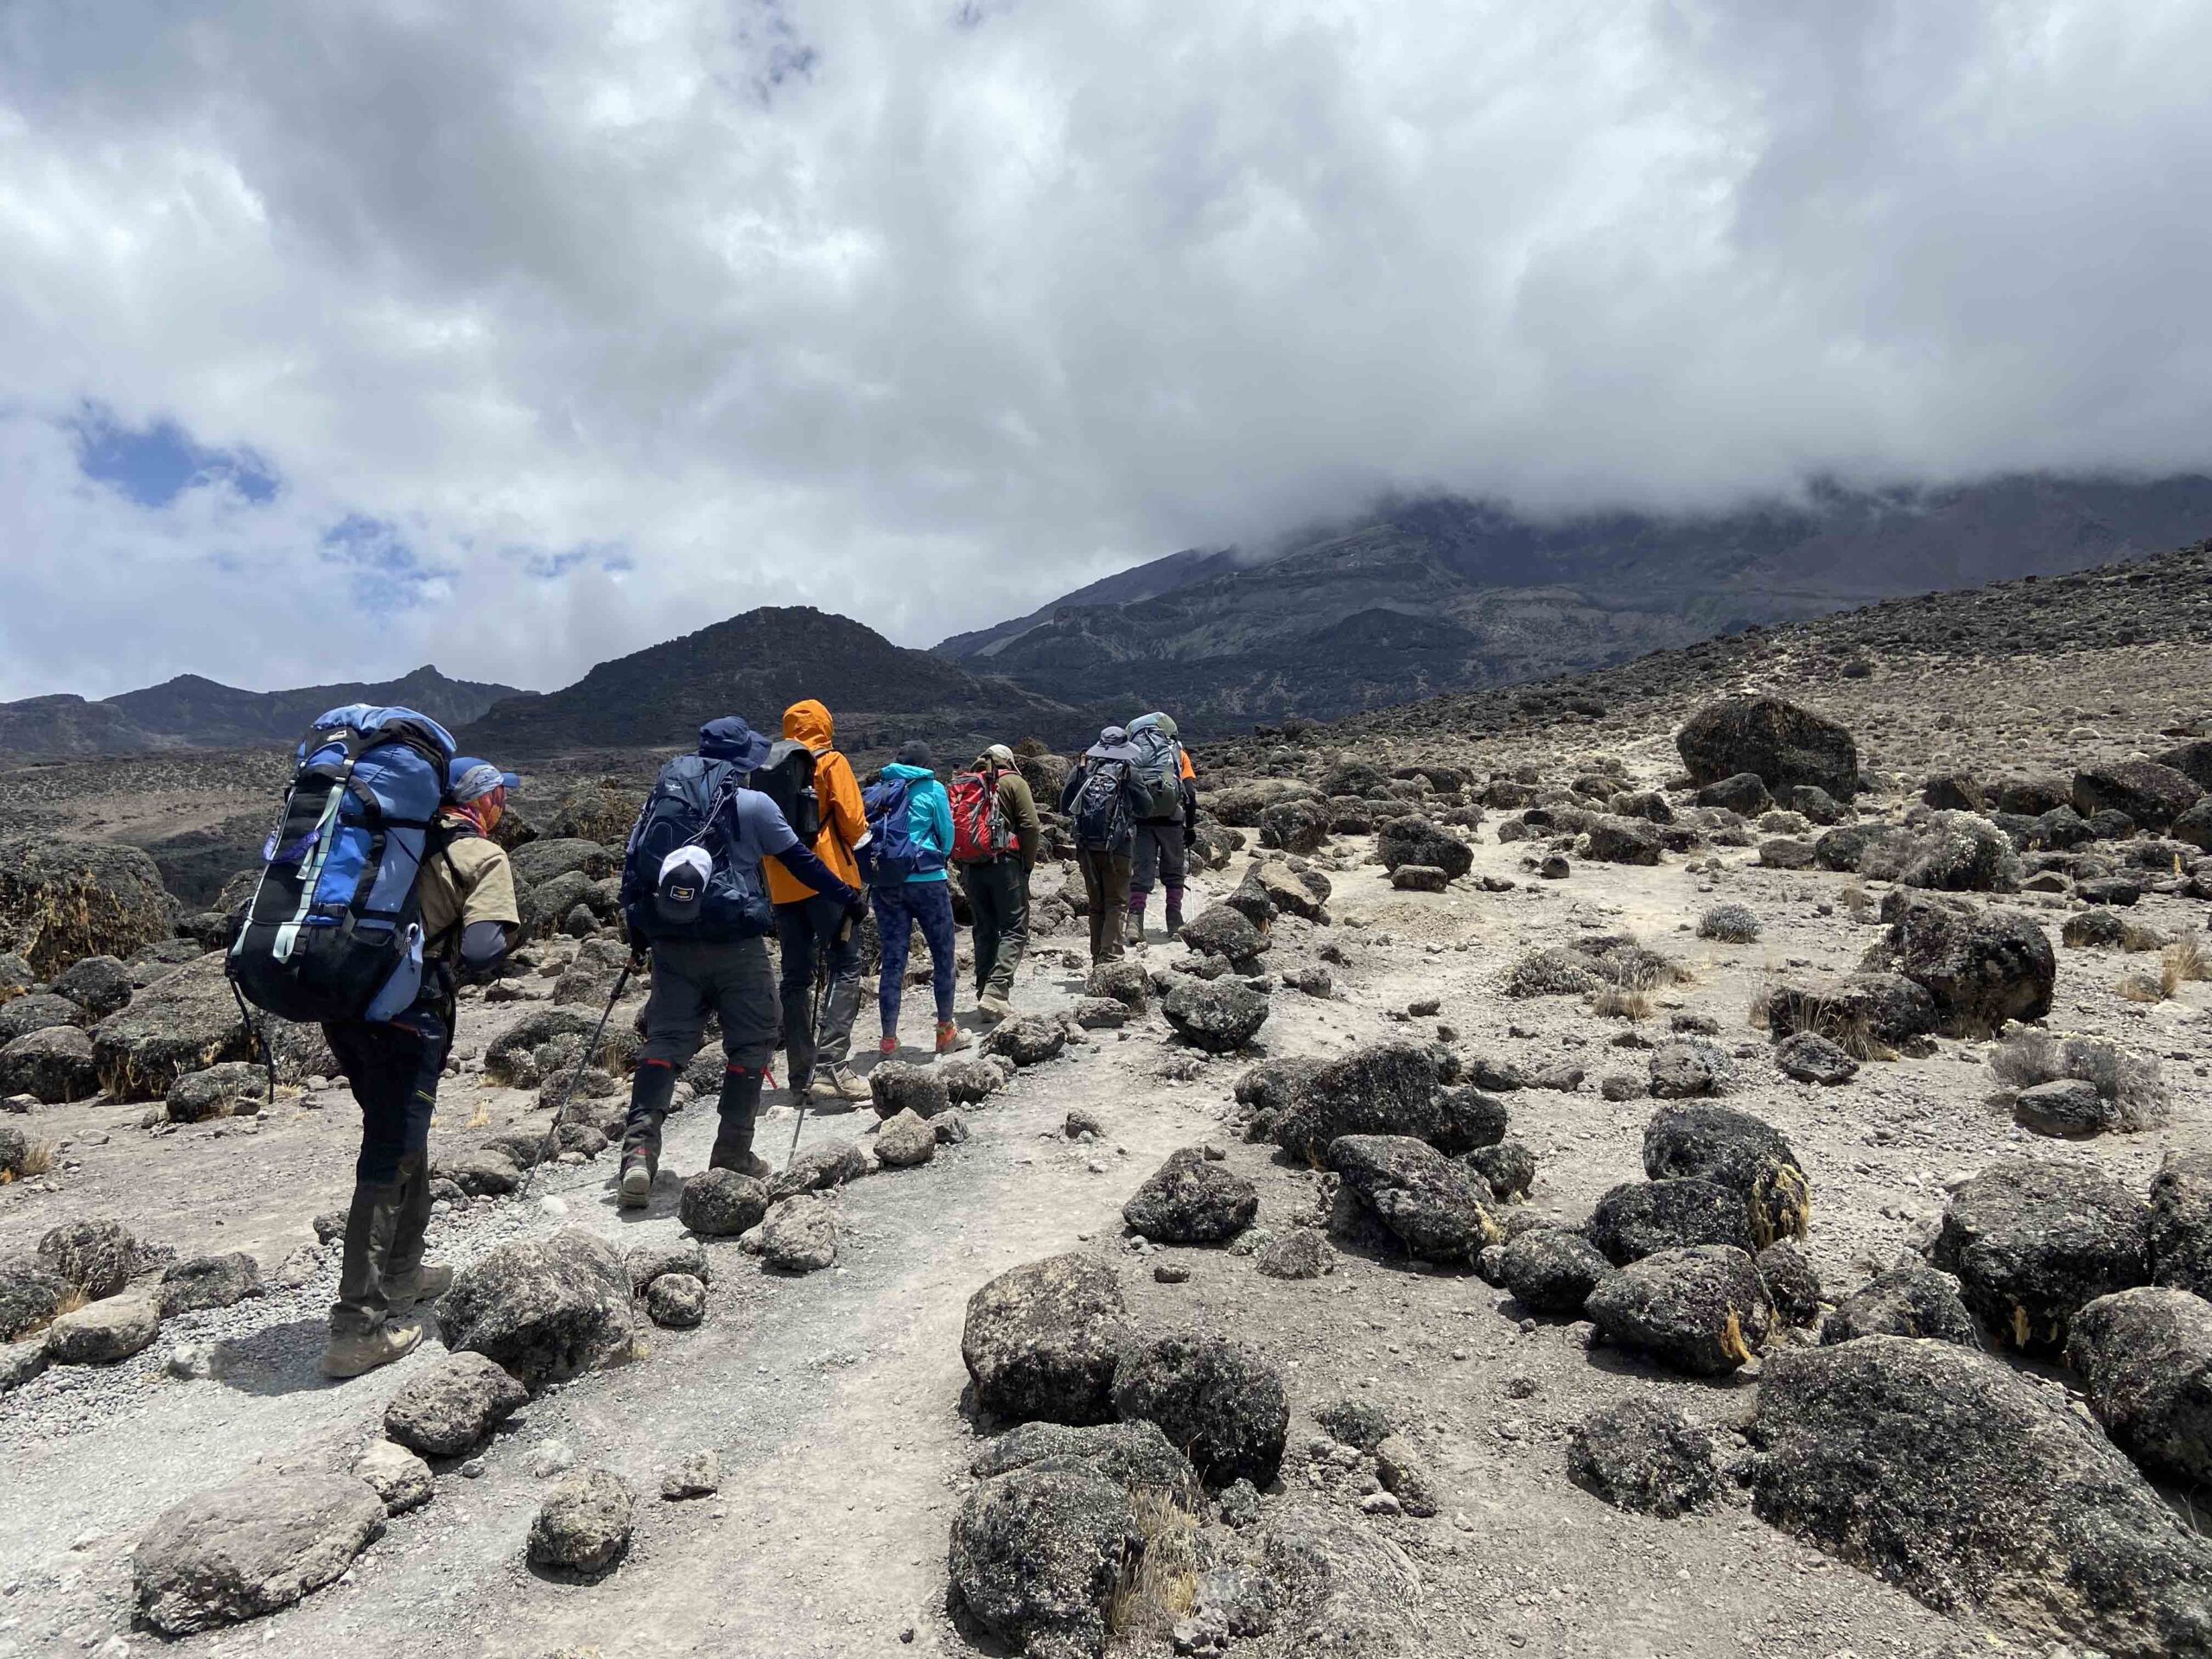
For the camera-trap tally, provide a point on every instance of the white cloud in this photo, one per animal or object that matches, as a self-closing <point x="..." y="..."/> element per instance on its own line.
<point x="861" y="305"/>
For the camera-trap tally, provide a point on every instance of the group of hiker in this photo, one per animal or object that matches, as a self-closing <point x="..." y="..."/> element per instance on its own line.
<point x="384" y="891"/>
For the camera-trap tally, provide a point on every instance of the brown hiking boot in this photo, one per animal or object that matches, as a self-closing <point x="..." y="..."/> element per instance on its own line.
<point x="837" y="1082"/>
<point x="426" y="1284"/>
<point x="996" y="1004"/>
<point x="354" y="1353"/>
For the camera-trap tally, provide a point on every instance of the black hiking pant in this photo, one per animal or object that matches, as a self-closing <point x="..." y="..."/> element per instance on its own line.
<point x="998" y="894"/>
<point x="730" y="979"/>
<point x="393" y="1067"/>
<point x="804" y="931"/>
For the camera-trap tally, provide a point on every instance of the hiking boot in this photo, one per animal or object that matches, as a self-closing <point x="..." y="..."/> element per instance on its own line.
<point x="996" y="1004"/>
<point x="426" y="1284"/>
<point x="1174" y="925"/>
<point x="636" y="1186"/>
<point x="837" y="1082"/>
<point x="743" y="1160"/>
<point x="740" y="1106"/>
<point x="1134" y="931"/>
<point x="352" y="1353"/>
<point x="889" y="1045"/>
<point x="949" y="1038"/>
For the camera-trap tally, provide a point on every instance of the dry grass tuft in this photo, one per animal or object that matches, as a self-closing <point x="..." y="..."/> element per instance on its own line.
<point x="2143" y="987"/>
<point x="37" y="1160"/>
<point x="1159" y="1585"/>
<point x="2130" y="1084"/>
<point x="1781" y="1204"/>
<point x="1861" y="903"/>
<point x="2185" y="962"/>
<point x="2137" y="939"/>
<point x="1614" y="1002"/>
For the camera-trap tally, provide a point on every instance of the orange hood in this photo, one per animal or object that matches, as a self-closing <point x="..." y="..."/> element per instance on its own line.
<point x="809" y="722"/>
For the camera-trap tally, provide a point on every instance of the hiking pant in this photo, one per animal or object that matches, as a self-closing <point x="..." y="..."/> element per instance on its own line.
<point x="728" y="978"/>
<point x="1106" y="886"/>
<point x="998" y="892"/>
<point x="393" y="1068"/>
<point x="803" y="931"/>
<point x="897" y="911"/>
<point x="1159" y="858"/>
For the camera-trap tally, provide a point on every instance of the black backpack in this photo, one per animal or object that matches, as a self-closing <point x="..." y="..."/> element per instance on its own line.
<point x="1103" y="819"/>
<point x="787" y="778"/>
<point x="691" y="806"/>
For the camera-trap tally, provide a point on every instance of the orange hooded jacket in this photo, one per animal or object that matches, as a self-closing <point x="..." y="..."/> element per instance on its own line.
<point x="844" y="823"/>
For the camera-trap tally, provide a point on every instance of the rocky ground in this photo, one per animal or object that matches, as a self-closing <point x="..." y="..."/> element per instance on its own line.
<point x="1487" y="1489"/>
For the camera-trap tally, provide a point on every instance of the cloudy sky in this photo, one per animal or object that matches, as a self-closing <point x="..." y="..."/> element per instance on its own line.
<point x="522" y="334"/>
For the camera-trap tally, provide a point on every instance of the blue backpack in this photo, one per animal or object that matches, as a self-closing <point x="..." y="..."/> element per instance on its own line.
<point x="335" y="929"/>
<point x="691" y="806"/>
<point x="891" y="832"/>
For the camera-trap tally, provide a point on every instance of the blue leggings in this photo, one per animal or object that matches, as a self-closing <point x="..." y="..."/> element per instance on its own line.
<point x="897" y="910"/>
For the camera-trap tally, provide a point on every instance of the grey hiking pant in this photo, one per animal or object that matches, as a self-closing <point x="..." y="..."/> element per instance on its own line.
<point x="998" y="893"/>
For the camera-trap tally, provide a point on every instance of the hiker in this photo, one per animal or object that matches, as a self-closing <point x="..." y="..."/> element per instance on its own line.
<point x="466" y="889"/>
<point x="1161" y="849"/>
<point x="995" y="838"/>
<point x="692" y="894"/>
<point x="815" y="933"/>
<point x="909" y="837"/>
<point x="1105" y="800"/>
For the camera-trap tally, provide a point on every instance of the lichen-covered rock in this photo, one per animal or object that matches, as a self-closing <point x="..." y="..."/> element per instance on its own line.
<point x="1390" y="1088"/>
<point x="217" y="1092"/>
<point x="1685" y="1070"/>
<point x="2181" y="1223"/>
<point x="1981" y="968"/>
<point x="1908" y="1300"/>
<point x="184" y="1022"/>
<point x="1779" y="742"/>
<point x="819" y="1168"/>
<point x="1026" y="1040"/>
<point x="1792" y="1281"/>
<point x="1122" y="979"/>
<point x="1037" y="1554"/>
<point x="1217" y="1399"/>
<point x="800" y="1236"/>
<point x="39" y="1011"/>
<point x="63" y="900"/>
<point x="31" y="1293"/>
<point x="98" y="985"/>
<point x="95" y="1254"/>
<point x="970" y="1082"/>
<point x="1810" y="1058"/>
<point x="104" y="1331"/>
<point x="400" y="1478"/>
<point x="1041" y="1341"/>
<point x="1622" y="840"/>
<point x="1298" y="1254"/>
<point x="1133" y="1455"/>
<point x="1641" y="1218"/>
<point x="1973" y="1487"/>
<point x="53" y="1065"/>
<point x="1219" y="1016"/>
<point x="1192" y="1199"/>
<point x="1552" y="1270"/>
<point x="1642" y="1455"/>
<point x="1704" y="1310"/>
<point x="2032" y="1242"/>
<point x="452" y="1407"/>
<point x="2145" y="1358"/>
<point x="200" y="1282"/>
<point x="721" y="1203"/>
<point x="1946" y="852"/>
<point x="253" y="1547"/>
<point x="906" y="1140"/>
<point x="1699" y="1141"/>
<point x="1510" y="1167"/>
<point x="2153" y="795"/>
<point x="1225" y="932"/>
<point x="1433" y="1207"/>
<point x="547" y="1310"/>
<point x="584" y="1524"/>
<point x="1861" y="1009"/>
<point x="676" y="1302"/>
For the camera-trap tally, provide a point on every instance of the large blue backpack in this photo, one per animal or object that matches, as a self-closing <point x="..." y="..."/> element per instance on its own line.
<point x="890" y="831"/>
<point x="691" y="804"/>
<point x="335" y="929"/>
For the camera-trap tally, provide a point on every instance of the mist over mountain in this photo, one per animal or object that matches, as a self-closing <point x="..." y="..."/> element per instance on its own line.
<point x="1441" y="594"/>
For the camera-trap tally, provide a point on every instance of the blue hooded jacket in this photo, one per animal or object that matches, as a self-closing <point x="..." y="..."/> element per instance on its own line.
<point x="929" y="820"/>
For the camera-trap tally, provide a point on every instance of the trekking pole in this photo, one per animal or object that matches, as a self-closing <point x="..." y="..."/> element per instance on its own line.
<point x="561" y="1107"/>
<point x="813" y="1032"/>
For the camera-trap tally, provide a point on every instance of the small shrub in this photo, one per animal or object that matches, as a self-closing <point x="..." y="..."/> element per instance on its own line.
<point x="1160" y="1586"/>
<point x="1731" y="924"/>
<point x="1614" y="1002"/>
<point x="37" y="1160"/>
<point x="2184" y="962"/>
<point x="2142" y="988"/>
<point x="2129" y="1083"/>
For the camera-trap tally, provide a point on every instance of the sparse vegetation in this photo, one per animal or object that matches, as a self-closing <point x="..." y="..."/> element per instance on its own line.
<point x="2138" y="939"/>
<point x="1731" y="924"/>
<point x="1158" y="1587"/>
<point x="2184" y="962"/>
<point x="1620" y="1002"/>
<point x="2143" y="987"/>
<point x="2130" y="1084"/>
<point x="37" y="1160"/>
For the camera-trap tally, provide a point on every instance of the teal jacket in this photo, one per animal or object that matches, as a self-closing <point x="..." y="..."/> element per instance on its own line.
<point x="929" y="820"/>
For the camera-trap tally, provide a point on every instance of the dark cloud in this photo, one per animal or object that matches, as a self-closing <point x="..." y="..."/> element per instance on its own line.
<point x="924" y="313"/>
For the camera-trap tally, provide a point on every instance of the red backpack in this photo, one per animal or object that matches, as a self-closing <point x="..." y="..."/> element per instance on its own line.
<point x="980" y="830"/>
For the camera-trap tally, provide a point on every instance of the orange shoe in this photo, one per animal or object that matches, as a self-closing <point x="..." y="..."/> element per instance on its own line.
<point x="888" y="1046"/>
<point x="949" y="1038"/>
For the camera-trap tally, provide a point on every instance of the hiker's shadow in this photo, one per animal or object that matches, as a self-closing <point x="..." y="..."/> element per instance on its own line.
<point x="278" y="1359"/>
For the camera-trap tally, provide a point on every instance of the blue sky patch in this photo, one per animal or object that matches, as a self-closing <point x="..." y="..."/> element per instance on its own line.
<point x="153" y="465"/>
<point x="388" y="574"/>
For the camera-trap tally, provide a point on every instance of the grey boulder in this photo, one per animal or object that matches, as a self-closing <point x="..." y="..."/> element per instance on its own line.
<point x="1042" y="1340"/>
<point x="253" y="1547"/>
<point x="545" y="1310"/>
<point x="1704" y="1310"/>
<point x="1192" y="1199"/>
<point x="454" y="1407"/>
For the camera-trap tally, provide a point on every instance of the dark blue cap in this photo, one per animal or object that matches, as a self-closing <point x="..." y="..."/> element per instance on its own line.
<point x="731" y="739"/>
